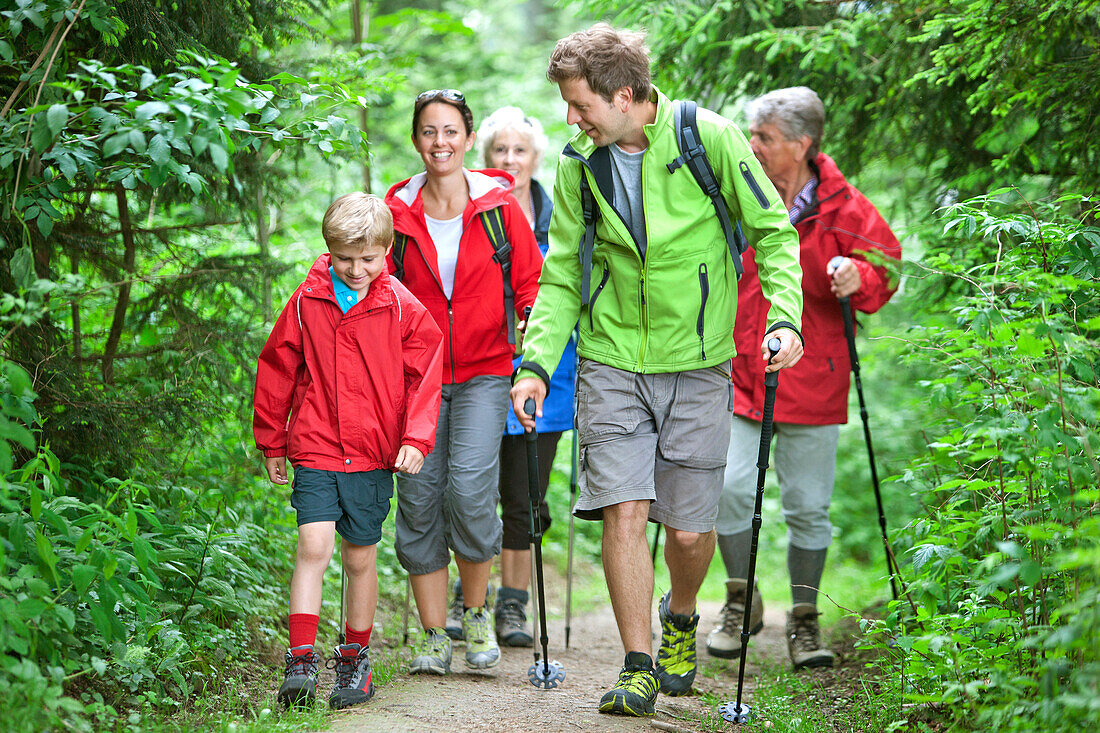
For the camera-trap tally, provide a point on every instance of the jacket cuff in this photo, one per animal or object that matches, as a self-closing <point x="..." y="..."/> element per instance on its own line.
<point x="274" y="452"/>
<point x="535" y="369"/>
<point x="786" y="324"/>
<point x="420" y="445"/>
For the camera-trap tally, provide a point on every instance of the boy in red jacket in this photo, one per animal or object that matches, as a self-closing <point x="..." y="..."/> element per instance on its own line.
<point x="355" y="361"/>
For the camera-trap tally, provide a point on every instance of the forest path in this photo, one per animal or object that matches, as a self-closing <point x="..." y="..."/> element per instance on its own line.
<point x="502" y="699"/>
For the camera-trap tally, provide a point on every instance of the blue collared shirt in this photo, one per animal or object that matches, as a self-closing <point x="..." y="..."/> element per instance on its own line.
<point x="803" y="201"/>
<point x="345" y="296"/>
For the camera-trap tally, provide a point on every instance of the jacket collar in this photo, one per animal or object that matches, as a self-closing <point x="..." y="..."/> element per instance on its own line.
<point x="582" y="146"/>
<point x="318" y="284"/>
<point x="488" y="190"/>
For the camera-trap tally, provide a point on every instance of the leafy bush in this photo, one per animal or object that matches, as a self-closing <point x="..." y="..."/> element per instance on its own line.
<point x="1002" y="621"/>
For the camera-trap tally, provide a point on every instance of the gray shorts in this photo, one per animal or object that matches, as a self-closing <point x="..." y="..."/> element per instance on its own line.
<point x="452" y="503"/>
<point x="358" y="502"/>
<point x="804" y="457"/>
<point x="655" y="437"/>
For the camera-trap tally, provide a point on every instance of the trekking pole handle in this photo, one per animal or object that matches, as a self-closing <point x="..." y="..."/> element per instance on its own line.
<point x="771" y="379"/>
<point x="835" y="263"/>
<point x="529" y="406"/>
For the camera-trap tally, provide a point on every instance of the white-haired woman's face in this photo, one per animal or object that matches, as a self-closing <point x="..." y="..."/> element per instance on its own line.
<point x="513" y="152"/>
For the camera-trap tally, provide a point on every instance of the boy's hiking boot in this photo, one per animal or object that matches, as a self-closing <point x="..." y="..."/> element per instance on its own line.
<point x="300" y="677"/>
<point x="725" y="640"/>
<point x="636" y="690"/>
<point x="511" y="618"/>
<point x="482" y="651"/>
<point x="676" y="656"/>
<point x="454" y="614"/>
<point x="433" y="654"/>
<point x="353" y="676"/>
<point x="804" y="638"/>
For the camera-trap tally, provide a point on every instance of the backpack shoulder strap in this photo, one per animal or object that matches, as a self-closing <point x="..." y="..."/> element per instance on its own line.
<point x="400" y="242"/>
<point x="493" y="221"/>
<point x="588" y="238"/>
<point x="694" y="156"/>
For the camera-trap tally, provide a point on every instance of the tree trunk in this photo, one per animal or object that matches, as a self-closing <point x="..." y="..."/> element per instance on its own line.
<point x="360" y="25"/>
<point x="123" y="302"/>
<point x="263" y="239"/>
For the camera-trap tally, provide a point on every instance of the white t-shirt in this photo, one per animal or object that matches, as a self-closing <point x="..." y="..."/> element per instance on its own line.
<point x="446" y="234"/>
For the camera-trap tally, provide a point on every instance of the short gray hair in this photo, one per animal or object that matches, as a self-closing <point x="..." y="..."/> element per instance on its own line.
<point x="511" y="118"/>
<point x="796" y="111"/>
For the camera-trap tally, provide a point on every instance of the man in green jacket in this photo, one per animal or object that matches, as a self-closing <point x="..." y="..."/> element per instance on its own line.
<point x="656" y="336"/>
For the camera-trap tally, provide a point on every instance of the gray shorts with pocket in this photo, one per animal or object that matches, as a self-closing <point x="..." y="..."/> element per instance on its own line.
<point x="655" y="437"/>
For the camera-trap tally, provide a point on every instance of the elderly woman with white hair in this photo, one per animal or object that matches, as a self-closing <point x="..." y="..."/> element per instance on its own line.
<point x="513" y="142"/>
<point x="844" y="245"/>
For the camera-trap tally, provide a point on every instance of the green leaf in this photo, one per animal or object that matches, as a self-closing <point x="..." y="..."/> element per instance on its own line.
<point x="56" y="117"/>
<point x="137" y="141"/>
<point x="83" y="575"/>
<point x="159" y="152"/>
<point x="150" y="110"/>
<point x="219" y="157"/>
<point x="22" y="267"/>
<point x="46" y="553"/>
<point x="129" y="527"/>
<point x="45" y="224"/>
<point x="116" y="144"/>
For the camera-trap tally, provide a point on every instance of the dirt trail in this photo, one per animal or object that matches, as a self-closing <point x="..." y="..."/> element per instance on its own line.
<point x="502" y="699"/>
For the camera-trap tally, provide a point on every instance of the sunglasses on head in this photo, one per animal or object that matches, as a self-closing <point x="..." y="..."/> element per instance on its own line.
<point x="451" y="94"/>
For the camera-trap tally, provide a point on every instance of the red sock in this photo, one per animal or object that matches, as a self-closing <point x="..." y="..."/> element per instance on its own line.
<point x="303" y="629"/>
<point x="362" y="638"/>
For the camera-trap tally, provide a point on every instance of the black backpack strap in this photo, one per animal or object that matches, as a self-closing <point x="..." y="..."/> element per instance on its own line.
<point x="493" y="221"/>
<point x="694" y="156"/>
<point x="588" y="239"/>
<point x="400" y="241"/>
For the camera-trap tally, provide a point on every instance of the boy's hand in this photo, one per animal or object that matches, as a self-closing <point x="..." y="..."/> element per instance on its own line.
<point x="276" y="469"/>
<point x="409" y="460"/>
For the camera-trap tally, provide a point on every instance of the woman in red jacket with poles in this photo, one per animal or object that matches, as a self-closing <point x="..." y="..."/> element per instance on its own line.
<point x="450" y="252"/>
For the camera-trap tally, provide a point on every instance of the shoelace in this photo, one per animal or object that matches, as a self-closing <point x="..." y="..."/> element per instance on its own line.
<point x="433" y="645"/>
<point x="344" y="667"/>
<point x="306" y="664"/>
<point x="733" y="616"/>
<point x="479" y="627"/>
<point x="807" y="635"/>
<point x="511" y="614"/>
<point x="675" y="646"/>
<point x="638" y="678"/>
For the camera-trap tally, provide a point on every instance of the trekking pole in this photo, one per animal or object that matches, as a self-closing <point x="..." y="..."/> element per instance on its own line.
<point x="850" y="335"/>
<point x="547" y="674"/>
<point x="739" y="713"/>
<point x="656" y="543"/>
<point x="569" y="572"/>
<point x="342" y="635"/>
<point x="405" y="614"/>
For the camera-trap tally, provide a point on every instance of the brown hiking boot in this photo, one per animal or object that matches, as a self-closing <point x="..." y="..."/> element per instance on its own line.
<point x="804" y="638"/>
<point x="725" y="640"/>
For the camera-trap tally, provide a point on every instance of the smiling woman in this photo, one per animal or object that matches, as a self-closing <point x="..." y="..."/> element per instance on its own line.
<point x="446" y="256"/>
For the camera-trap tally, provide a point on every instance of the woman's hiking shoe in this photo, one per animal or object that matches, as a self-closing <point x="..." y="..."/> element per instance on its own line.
<point x="636" y="690"/>
<point x="804" y="638"/>
<point x="433" y="654"/>
<point x="454" y="613"/>
<point x="676" y="657"/>
<point x="511" y="618"/>
<point x="482" y="651"/>
<point x="725" y="640"/>
<point x="300" y="677"/>
<point x="353" y="676"/>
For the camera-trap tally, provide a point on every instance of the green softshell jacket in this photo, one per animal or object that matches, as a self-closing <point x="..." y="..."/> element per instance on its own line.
<point x="674" y="311"/>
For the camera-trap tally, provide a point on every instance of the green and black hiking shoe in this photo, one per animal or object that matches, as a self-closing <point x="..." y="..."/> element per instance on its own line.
<point x="676" y="657"/>
<point x="636" y="690"/>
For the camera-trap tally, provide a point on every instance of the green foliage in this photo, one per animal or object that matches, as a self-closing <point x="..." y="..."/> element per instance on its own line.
<point x="118" y="595"/>
<point x="973" y="102"/>
<point x="1000" y="624"/>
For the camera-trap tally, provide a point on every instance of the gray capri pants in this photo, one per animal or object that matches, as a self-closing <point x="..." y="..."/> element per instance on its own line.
<point x="452" y="502"/>
<point x="805" y="463"/>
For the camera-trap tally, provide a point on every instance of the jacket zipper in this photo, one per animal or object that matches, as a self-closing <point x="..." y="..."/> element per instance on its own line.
<point x="592" y="300"/>
<point x="450" y="310"/>
<point x="753" y="185"/>
<point x="704" y="292"/>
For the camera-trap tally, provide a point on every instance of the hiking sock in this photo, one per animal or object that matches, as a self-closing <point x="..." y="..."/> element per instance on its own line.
<point x="303" y="629"/>
<point x="362" y="638"/>
<point x="506" y="593"/>
<point x="735" y="553"/>
<point x="805" y="568"/>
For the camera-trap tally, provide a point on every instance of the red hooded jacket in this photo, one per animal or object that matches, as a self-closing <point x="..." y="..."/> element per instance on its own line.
<point x="815" y="390"/>
<point x="356" y="386"/>
<point x="475" y="331"/>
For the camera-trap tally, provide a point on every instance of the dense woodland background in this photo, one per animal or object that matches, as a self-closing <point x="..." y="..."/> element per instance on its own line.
<point x="163" y="169"/>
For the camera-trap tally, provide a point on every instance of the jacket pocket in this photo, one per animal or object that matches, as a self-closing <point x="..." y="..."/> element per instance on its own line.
<point x="704" y="292"/>
<point x="753" y="185"/>
<point x="595" y="295"/>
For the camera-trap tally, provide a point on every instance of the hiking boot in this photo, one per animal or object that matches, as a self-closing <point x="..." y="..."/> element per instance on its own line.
<point x="300" y="677"/>
<point x="482" y="651"/>
<point x="676" y="656"/>
<point x="636" y="690"/>
<point x="725" y="640"/>
<point x="433" y="654"/>
<point x="511" y="618"/>
<point x="454" y="613"/>
<point x="804" y="638"/>
<point x="353" y="676"/>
